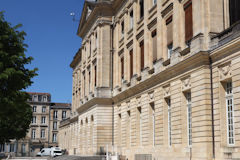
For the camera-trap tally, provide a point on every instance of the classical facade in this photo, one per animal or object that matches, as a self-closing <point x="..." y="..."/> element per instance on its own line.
<point x="157" y="79"/>
<point x="43" y="131"/>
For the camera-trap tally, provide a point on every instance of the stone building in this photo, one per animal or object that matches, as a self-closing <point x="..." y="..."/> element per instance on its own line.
<point x="43" y="131"/>
<point x="157" y="79"/>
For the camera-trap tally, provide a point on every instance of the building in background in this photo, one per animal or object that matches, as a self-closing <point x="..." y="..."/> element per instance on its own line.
<point x="156" y="79"/>
<point x="43" y="131"/>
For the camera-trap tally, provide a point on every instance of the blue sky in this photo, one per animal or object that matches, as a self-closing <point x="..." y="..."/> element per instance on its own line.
<point x="51" y="39"/>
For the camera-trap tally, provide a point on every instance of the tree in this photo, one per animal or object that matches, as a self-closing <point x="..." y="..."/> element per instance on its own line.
<point x="15" y="112"/>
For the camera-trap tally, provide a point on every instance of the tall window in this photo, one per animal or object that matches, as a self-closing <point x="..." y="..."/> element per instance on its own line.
<point x="169" y="36"/>
<point x="34" y="108"/>
<point x="141" y="5"/>
<point x="154" y="2"/>
<point x="43" y="109"/>
<point x="96" y="40"/>
<point x="131" y="63"/>
<point x="2" y="147"/>
<point x="131" y="19"/>
<point x="154" y="45"/>
<point x="168" y="101"/>
<point x="64" y="114"/>
<point x="234" y="11"/>
<point x="23" y="148"/>
<point x="142" y="55"/>
<point x="42" y="133"/>
<point x="39" y="98"/>
<point x="188" y="21"/>
<point x="119" y="129"/>
<point x="54" y="139"/>
<point x="122" y="67"/>
<point x="90" y="48"/>
<point x="189" y="117"/>
<point x="55" y="114"/>
<point x="89" y="81"/>
<point x="152" y="114"/>
<point x="95" y="75"/>
<point x="43" y="120"/>
<point x="129" y="128"/>
<point x="230" y="113"/>
<point x="84" y="83"/>
<point x="122" y="28"/>
<point x="33" y="133"/>
<point x="54" y="125"/>
<point x="140" y="125"/>
<point x="34" y="120"/>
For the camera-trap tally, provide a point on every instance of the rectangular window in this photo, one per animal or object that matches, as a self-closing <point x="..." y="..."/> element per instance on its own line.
<point x="131" y="63"/>
<point x="152" y="108"/>
<point x="95" y="75"/>
<point x="169" y="25"/>
<point x="89" y="81"/>
<point x="154" y="2"/>
<point x="122" y="67"/>
<point x="129" y="128"/>
<point x="55" y="113"/>
<point x="84" y="82"/>
<point x="168" y="101"/>
<point x="42" y="133"/>
<point x="44" y="98"/>
<point x="140" y="125"/>
<point x="2" y="147"/>
<point x="189" y="117"/>
<point x="90" y="48"/>
<point x="54" y="137"/>
<point x="34" y="108"/>
<point x="96" y="40"/>
<point x="43" y="109"/>
<point x="33" y="133"/>
<point x="34" y="120"/>
<point x="142" y="55"/>
<point x="23" y="148"/>
<point x="39" y="98"/>
<point x="141" y="5"/>
<point x="154" y="45"/>
<point x="122" y="28"/>
<point x="43" y="121"/>
<point x="12" y="146"/>
<point x="54" y="125"/>
<point x="35" y="98"/>
<point x="131" y="19"/>
<point x="188" y="21"/>
<point x="64" y="114"/>
<point x="234" y="11"/>
<point x="119" y="129"/>
<point x="230" y="113"/>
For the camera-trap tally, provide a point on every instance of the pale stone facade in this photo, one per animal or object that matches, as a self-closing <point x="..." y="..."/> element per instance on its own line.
<point x="167" y="80"/>
<point x="43" y="131"/>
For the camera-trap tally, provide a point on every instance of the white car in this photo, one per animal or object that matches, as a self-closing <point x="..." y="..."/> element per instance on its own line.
<point x="53" y="152"/>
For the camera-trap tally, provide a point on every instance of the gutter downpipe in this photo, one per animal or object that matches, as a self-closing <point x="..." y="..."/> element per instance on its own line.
<point x="111" y="72"/>
<point x="212" y="108"/>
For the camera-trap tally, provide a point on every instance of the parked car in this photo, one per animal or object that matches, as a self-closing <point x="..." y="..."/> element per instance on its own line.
<point x="53" y="152"/>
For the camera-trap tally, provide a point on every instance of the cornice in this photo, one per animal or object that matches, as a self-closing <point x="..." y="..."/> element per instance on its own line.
<point x="92" y="102"/>
<point x="198" y="59"/>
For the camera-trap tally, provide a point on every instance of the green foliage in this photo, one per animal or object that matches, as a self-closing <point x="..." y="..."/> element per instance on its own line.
<point x="15" y="112"/>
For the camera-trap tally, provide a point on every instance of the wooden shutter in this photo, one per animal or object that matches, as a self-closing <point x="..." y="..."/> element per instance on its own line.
<point x="142" y="55"/>
<point x="95" y="76"/>
<point x="169" y="30"/>
<point x="131" y="63"/>
<point x="154" y="45"/>
<point x="234" y="11"/>
<point x="188" y="21"/>
<point x="122" y="67"/>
